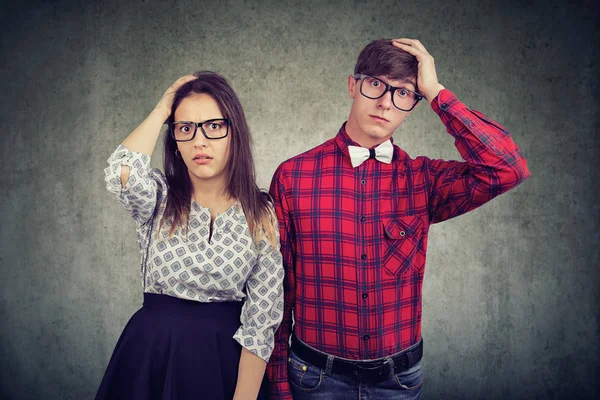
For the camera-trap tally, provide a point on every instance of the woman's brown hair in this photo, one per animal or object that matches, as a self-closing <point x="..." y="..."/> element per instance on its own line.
<point x="240" y="175"/>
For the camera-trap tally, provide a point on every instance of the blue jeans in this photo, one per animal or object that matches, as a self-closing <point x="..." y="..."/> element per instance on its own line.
<point x="310" y="382"/>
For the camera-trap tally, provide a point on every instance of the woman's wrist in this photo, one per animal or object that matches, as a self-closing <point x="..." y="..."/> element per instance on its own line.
<point x="161" y="112"/>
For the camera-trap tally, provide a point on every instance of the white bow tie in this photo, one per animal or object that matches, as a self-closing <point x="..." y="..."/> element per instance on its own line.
<point x="384" y="153"/>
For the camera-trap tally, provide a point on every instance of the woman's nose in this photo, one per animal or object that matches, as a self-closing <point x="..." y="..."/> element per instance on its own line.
<point x="200" y="140"/>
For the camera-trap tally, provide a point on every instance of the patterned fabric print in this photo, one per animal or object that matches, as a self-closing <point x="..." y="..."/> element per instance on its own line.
<point x="229" y="267"/>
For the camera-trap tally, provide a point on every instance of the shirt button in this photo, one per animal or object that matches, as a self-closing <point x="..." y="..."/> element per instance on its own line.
<point x="363" y="218"/>
<point x="363" y="182"/>
<point x="366" y="337"/>
<point x="365" y="295"/>
<point x="364" y="256"/>
<point x="402" y="233"/>
<point x="444" y="106"/>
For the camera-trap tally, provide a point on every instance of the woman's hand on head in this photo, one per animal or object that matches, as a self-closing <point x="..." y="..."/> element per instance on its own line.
<point x="166" y="102"/>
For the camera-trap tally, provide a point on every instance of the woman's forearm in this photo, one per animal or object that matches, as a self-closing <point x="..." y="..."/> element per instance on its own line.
<point x="144" y="137"/>
<point x="250" y="375"/>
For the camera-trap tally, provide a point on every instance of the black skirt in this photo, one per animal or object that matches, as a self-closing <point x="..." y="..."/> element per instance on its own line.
<point x="176" y="349"/>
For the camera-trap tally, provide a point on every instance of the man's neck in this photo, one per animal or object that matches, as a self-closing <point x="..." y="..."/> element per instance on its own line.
<point x="358" y="136"/>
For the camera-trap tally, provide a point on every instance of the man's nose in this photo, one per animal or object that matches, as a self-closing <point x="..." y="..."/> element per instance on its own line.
<point x="385" y="101"/>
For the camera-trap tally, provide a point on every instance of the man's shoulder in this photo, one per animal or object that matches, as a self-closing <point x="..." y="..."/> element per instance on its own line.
<point x="422" y="163"/>
<point x="406" y="158"/>
<point x="306" y="159"/>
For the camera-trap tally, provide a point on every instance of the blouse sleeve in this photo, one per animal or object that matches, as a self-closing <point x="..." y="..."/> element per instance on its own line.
<point x="263" y="310"/>
<point x="144" y="187"/>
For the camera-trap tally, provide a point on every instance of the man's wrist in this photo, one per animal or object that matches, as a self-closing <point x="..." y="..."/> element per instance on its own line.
<point x="432" y="94"/>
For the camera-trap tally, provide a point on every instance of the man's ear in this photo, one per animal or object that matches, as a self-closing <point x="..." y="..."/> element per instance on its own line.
<point x="351" y="86"/>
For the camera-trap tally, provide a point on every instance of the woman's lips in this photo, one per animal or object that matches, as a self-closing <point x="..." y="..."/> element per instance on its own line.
<point x="202" y="159"/>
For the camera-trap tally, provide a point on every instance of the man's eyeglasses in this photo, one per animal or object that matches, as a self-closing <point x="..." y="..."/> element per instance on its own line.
<point x="184" y="131"/>
<point x="402" y="98"/>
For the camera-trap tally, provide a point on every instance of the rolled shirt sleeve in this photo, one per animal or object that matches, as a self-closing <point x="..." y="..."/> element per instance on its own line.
<point x="145" y="185"/>
<point x="263" y="309"/>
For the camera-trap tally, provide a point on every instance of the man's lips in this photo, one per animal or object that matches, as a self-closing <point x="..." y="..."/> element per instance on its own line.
<point x="378" y="118"/>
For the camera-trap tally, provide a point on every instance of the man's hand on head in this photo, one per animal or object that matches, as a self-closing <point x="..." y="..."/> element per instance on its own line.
<point x="427" y="81"/>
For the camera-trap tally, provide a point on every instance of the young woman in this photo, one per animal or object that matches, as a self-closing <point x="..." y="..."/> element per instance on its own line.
<point x="211" y="268"/>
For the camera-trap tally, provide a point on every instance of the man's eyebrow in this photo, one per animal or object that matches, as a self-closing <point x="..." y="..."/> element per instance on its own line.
<point x="408" y="81"/>
<point x="386" y="79"/>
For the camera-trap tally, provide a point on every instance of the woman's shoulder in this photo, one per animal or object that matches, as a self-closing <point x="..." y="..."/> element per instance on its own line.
<point x="267" y="197"/>
<point x="157" y="174"/>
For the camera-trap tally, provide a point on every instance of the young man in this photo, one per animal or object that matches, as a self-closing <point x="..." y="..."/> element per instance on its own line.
<point x="354" y="215"/>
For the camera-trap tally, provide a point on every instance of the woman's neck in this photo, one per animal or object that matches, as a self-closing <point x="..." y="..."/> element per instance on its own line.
<point x="211" y="194"/>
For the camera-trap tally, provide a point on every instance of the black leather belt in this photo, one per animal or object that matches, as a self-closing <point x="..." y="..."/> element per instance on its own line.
<point x="365" y="371"/>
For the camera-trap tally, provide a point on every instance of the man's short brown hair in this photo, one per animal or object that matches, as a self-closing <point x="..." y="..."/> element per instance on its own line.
<point x="382" y="58"/>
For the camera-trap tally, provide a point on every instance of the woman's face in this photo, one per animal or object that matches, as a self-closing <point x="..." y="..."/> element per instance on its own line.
<point x="206" y="159"/>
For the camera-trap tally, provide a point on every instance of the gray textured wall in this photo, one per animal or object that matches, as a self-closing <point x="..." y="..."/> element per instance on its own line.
<point x="511" y="290"/>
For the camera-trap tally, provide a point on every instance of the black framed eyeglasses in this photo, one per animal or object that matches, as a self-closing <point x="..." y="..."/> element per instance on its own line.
<point x="184" y="131"/>
<point x="402" y="98"/>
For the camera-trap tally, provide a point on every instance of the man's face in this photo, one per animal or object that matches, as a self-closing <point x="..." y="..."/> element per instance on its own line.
<point x="373" y="121"/>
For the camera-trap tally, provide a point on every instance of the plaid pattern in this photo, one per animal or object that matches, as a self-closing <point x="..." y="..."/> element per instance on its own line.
<point x="353" y="240"/>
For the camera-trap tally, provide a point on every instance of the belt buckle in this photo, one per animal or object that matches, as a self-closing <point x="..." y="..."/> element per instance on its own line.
<point x="370" y="374"/>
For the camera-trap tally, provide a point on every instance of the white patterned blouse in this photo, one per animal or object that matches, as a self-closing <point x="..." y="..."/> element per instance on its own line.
<point x="187" y="265"/>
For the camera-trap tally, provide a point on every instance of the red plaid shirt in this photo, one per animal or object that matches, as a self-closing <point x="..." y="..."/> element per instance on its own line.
<point x="354" y="239"/>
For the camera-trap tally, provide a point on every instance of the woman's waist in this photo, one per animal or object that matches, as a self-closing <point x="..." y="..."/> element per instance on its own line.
<point x="191" y="308"/>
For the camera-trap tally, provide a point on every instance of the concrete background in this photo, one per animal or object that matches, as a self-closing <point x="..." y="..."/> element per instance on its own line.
<point x="511" y="290"/>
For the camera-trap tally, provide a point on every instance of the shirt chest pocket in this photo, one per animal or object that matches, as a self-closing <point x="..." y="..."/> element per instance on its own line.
<point x="402" y="237"/>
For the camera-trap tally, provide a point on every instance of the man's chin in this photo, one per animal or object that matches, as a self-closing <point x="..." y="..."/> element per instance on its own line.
<point x="379" y="133"/>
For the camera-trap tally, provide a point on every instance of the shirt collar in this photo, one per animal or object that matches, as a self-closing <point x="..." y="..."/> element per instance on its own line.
<point x="235" y="208"/>
<point x="343" y="140"/>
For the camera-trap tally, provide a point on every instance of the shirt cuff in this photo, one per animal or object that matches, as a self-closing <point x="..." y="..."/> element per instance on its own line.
<point x="444" y="101"/>
<point x="260" y="343"/>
